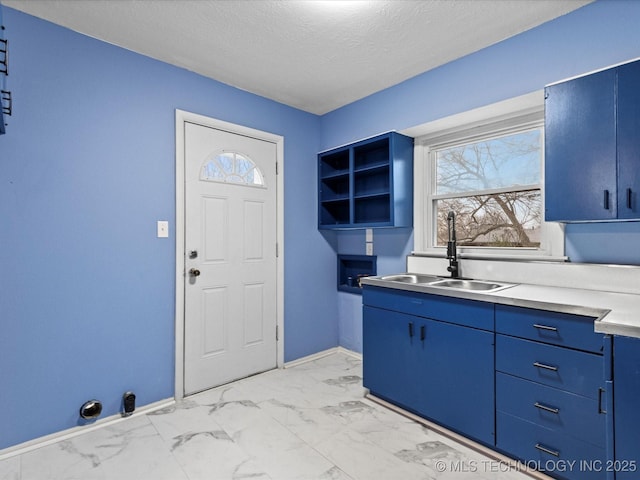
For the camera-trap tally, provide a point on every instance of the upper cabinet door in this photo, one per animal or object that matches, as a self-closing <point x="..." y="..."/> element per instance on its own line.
<point x="629" y="140"/>
<point x="580" y="149"/>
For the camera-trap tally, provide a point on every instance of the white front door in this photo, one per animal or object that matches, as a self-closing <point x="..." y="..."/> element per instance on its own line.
<point x="230" y="257"/>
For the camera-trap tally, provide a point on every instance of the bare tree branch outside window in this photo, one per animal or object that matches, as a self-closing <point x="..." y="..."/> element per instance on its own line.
<point x="493" y="186"/>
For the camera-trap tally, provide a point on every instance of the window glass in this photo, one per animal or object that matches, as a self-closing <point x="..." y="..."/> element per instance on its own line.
<point x="492" y="163"/>
<point x="510" y="219"/>
<point x="493" y="187"/>
<point x="231" y="167"/>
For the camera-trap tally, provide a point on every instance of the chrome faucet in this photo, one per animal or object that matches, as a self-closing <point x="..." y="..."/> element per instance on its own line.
<point x="452" y="254"/>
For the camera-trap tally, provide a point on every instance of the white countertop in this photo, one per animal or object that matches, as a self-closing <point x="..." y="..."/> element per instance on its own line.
<point x="614" y="313"/>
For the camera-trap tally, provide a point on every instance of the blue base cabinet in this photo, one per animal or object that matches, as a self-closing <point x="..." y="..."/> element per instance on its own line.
<point x="438" y="369"/>
<point x="551" y="392"/>
<point x="626" y="395"/>
<point x="533" y="384"/>
<point x="391" y="351"/>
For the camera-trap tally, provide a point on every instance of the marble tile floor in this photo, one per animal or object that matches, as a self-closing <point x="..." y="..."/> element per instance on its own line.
<point x="310" y="421"/>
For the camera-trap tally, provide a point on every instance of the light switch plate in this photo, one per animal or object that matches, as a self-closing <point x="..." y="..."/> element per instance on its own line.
<point x="368" y="236"/>
<point x="163" y="229"/>
<point x="369" y="248"/>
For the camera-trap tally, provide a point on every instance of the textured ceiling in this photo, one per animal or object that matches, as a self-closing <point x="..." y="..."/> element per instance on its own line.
<point x="313" y="55"/>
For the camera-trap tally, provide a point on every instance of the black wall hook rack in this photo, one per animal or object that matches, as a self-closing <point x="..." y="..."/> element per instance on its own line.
<point x="6" y="102"/>
<point x="4" y="56"/>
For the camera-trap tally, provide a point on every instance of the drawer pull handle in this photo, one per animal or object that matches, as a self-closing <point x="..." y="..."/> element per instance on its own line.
<point x="546" y="409"/>
<point x="555" y="453"/>
<point x="423" y="333"/>
<point x="411" y="329"/>
<point x="546" y="367"/>
<point x="545" y="327"/>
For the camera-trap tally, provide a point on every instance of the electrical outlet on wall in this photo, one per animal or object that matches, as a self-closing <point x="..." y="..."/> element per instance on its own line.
<point x="369" y="250"/>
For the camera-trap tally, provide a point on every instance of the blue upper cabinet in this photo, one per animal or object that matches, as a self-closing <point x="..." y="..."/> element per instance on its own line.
<point x="367" y="184"/>
<point x="4" y="71"/>
<point x="628" y="140"/>
<point x="580" y="149"/>
<point x="592" y="149"/>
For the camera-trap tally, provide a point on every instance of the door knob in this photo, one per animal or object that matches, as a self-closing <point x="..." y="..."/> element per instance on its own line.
<point x="194" y="272"/>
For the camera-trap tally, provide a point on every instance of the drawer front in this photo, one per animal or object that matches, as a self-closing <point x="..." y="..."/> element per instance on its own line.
<point x="570" y="414"/>
<point x="469" y="313"/>
<point x="563" y="368"/>
<point x="573" y="331"/>
<point x="549" y="451"/>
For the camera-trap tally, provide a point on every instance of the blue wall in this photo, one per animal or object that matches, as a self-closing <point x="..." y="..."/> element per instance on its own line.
<point x="86" y="169"/>
<point x="595" y="36"/>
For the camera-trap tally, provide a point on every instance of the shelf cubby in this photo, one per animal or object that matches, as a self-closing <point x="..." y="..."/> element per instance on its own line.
<point x="370" y="154"/>
<point x="372" y="209"/>
<point x="336" y="163"/>
<point x="335" y="212"/>
<point x="353" y="267"/>
<point x="372" y="181"/>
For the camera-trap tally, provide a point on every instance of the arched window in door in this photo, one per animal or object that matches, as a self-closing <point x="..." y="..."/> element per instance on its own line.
<point x="231" y="167"/>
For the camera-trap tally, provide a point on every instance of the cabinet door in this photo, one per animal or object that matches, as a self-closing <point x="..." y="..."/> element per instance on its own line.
<point x="458" y="382"/>
<point x="580" y="149"/>
<point x="441" y="371"/>
<point x="390" y="351"/>
<point x="626" y="395"/>
<point x="629" y="140"/>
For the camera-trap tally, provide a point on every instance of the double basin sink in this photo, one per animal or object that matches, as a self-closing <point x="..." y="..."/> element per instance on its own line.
<point x="455" y="283"/>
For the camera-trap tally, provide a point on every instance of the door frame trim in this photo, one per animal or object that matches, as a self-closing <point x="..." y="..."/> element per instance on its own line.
<point x="183" y="117"/>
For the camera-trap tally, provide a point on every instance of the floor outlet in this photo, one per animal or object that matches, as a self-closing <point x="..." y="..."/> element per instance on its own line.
<point x="129" y="403"/>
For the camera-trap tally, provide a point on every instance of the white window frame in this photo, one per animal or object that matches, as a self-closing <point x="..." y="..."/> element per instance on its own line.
<point x="505" y="117"/>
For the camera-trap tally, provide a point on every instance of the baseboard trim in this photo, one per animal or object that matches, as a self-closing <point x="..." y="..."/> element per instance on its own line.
<point x="492" y="454"/>
<point x="52" y="438"/>
<point x="325" y="353"/>
<point x="351" y="353"/>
